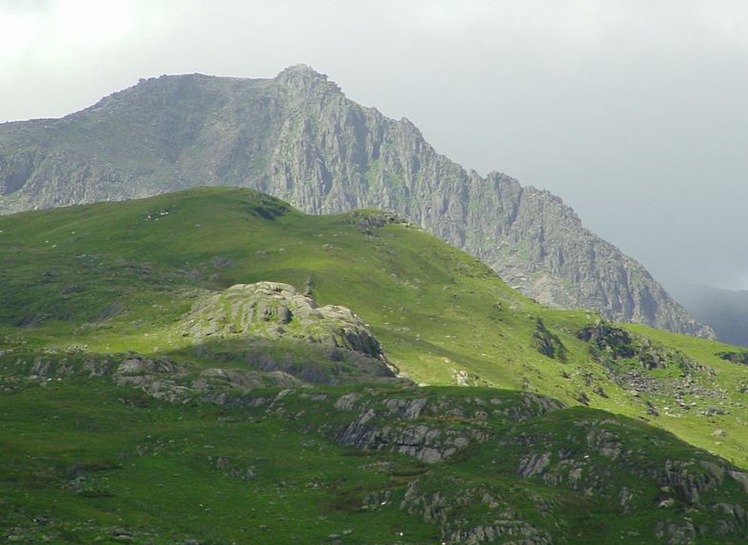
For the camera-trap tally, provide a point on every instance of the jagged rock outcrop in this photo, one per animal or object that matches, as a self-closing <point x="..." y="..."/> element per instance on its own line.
<point x="299" y="138"/>
<point x="321" y="344"/>
<point x="443" y="507"/>
<point x="605" y="459"/>
<point x="654" y="372"/>
<point x="275" y="310"/>
<point x="416" y="426"/>
<point x="245" y="337"/>
<point x="510" y="467"/>
<point x="606" y="462"/>
<point x="181" y="383"/>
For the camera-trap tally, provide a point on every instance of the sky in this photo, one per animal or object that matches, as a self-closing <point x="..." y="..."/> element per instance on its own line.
<point x="634" y="112"/>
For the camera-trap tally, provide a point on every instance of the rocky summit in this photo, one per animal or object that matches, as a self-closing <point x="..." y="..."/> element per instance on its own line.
<point x="299" y="138"/>
<point x="277" y="310"/>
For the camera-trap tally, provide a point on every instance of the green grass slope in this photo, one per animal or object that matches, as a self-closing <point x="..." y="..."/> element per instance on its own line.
<point x="88" y="462"/>
<point x="87" y="287"/>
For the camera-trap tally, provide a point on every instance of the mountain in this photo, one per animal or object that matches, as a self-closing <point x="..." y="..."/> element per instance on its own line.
<point x="214" y="366"/>
<point x="725" y="311"/>
<point x="299" y="138"/>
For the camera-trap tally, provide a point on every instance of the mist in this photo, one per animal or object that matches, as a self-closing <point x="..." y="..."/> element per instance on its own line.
<point x="633" y="112"/>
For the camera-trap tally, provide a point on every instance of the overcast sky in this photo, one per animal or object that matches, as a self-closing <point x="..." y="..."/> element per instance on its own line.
<point x="634" y="112"/>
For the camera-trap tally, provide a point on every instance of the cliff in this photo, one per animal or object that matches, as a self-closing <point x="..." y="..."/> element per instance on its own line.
<point x="299" y="138"/>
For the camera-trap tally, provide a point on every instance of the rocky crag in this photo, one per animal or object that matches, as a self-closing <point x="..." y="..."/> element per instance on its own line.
<point x="263" y="334"/>
<point x="299" y="138"/>
<point x="275" y="310"/>
<point x="490" y="466"/>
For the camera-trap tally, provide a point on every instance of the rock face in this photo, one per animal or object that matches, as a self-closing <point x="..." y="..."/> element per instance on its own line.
<point x="276" y="310"/>
<point x="616" y="462"/>
<point x="431" y="430"/>
<point x="479" y="465"/>
<point x="273" y="328"/>
<point x="601" y="445"/>
<point x="299" y="138"/>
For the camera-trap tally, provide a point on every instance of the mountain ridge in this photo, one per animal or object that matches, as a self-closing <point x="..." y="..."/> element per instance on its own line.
<point x="224" y="361"/>
<point x="299" y="138"/>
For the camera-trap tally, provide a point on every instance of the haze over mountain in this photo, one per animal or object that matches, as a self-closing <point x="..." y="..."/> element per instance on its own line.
<point x="633" y="112"/>
<point x="214" y="366"/>
<point x="299" y="138"/>
<point x="726" y="311"/>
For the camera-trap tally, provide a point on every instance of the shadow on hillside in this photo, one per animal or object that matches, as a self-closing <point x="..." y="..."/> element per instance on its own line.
<point x="314" y="363"/>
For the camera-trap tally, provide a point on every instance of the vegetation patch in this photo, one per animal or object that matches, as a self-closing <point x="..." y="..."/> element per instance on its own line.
<point x="171" y="380"/>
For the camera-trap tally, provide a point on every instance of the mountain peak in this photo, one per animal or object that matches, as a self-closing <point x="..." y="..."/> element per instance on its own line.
<point x="298" y="138"/>
<point x="301" y="68"/>
<point x="303" y="77"/>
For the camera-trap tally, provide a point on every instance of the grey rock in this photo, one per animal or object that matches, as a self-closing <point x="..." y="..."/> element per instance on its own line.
<point x="533" y="465"/>
<point x="417" y="427"/>
<point x="276" y="310"/>
<point x="299" y="138"/>
<point x="347" y="402"/>
<point x="741" y="477"/>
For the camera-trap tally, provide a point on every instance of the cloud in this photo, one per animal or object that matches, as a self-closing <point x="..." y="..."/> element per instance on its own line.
<point x="632" y="111"/>
<point x="57" y="31"/>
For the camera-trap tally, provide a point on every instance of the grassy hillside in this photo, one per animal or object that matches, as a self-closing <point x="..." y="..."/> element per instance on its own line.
<point x="79" y="465"/>
<point x="298" y="138"/>
<point x="85" y="288"/>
